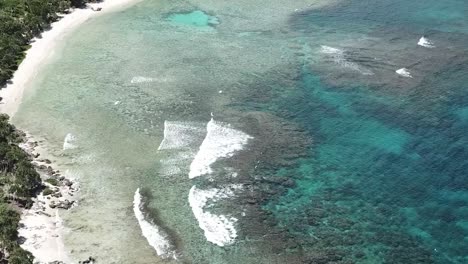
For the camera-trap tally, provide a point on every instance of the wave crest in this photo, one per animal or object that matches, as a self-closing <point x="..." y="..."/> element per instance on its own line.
<point x="404" y="72"/>
<point x="221" y="141"/>
<point x="69" y="142"/>
<point x="218" y="229"/>
<point x="156" y="237"/>
<point x="425" y="42"/>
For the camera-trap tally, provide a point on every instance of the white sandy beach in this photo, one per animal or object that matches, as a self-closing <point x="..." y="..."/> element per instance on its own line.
<point x="42" y="226"/>
<point x="43" y="230"/>
<point x="42" y="48"/>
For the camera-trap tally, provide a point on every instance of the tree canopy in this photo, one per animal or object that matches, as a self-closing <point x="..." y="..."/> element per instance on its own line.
<point x="19" y="181"/>
<point x="22" y="20"/>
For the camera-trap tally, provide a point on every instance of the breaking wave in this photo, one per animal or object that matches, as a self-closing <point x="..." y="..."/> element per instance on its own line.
<point x="425" y="42"/>
<point x="221" y="141"/>
<point x="404" y="72"/>
<point x="69" y="142"/>
<point x="218" y="229"/>
<point x="156" y="237"/>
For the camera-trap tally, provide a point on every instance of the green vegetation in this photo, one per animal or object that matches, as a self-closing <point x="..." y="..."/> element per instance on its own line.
<point x="19" y="181"/>
<point x="20" y="21"/>
<point x="10" y="251"/>
<point x="52" y="181"/>
<point x="47" y="191"/>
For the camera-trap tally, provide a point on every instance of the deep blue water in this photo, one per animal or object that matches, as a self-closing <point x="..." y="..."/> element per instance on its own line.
<point x="386" y="180"/>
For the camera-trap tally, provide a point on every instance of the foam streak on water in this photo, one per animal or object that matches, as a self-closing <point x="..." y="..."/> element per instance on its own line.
<point x="176" y="164"/>
<point x="180" y="143"/>
<point x="179" y="135"/>
<point x="218" y="229"/>
<point x="143" y="79"/>
<point x="338" y="57"/>
<point x="156" y="237"/>
<point x="221" y="141"/>
<point x="330" y="50"/>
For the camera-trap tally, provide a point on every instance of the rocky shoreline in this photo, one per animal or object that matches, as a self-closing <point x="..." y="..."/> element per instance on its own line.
<point x="59" y="191"/>
<point x="41" y="228"/>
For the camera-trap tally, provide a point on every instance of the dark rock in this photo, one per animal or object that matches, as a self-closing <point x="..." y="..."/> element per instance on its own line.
<point x="43" y="213"/>
<point x="67" y="182"/>
<point x="251" y="201"/>
<point x="90" y="260"/>
<point x="50" y="171"/>
<point x="289" y="183"/>
<point x="57" y="195"/>
<point x="66" y="204"/>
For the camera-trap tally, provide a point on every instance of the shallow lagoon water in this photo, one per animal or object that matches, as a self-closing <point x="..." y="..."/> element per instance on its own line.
<point x="383" y="181"/>
<point x="195" y="18"/>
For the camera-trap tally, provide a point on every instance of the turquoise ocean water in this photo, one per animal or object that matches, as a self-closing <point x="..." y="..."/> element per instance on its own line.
<point x="317" y="152"/>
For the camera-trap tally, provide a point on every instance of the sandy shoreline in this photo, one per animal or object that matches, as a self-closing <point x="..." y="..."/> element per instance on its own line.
<point x="42" y="49"/>
<point x="41" y="226"/>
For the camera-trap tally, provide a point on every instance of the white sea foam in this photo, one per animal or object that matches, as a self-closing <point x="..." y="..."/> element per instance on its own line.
<point x="155" y="236"/>
<point x="69" y="142"/>
<point x="425" y="42"/>
<point x="338" y="57"/>
<point x="330" y="50"/>
<point x="180" y="135"/>
<point x="404" y="72"/>
<point x="218" y="229"/>
<point x="182" y="139"/>
<point x="176" y="164"/>
<point x="221" y="141"/>
<point x="143" y="79"/>
<point x="85" y="158"/>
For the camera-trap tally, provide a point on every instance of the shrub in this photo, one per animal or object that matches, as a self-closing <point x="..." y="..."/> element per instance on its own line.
<point x="52" y="181"/>
<point x="47" y="191"/>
